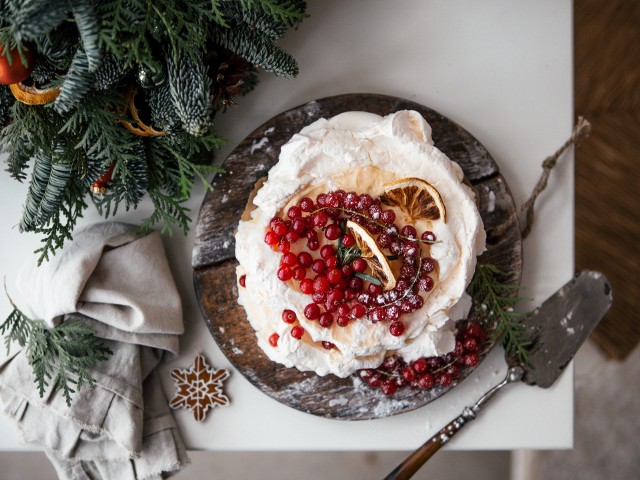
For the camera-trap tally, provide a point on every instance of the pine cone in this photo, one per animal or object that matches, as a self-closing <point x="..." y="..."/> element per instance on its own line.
<point x="231" y="75"/>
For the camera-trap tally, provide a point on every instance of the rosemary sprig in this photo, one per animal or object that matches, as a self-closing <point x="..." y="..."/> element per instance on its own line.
<point x="62" y="354"/>
<point x="497" y="301"/>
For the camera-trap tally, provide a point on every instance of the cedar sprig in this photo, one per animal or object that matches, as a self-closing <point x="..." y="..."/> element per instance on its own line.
<point x="497" y="301"/>
<point x="63" y="355"/>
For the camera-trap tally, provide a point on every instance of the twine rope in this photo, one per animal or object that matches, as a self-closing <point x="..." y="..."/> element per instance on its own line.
<point x="526" y="210"/>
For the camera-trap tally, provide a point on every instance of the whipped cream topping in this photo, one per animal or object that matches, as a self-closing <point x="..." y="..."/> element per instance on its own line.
<point x="358" y="151"/>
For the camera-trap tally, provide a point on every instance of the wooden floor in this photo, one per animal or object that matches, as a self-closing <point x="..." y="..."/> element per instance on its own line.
<point x="607" y="93"/>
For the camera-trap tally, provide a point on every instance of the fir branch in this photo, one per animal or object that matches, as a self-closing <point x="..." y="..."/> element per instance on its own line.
<point x="169" y="211"/>
<point x="496" y="301"/>
<point x="289" y="12"/>
<point x="76" y="84"/>
<point x="32" y="19"/>
<point x="67" y="351"/>
<point x="87" y="22"/>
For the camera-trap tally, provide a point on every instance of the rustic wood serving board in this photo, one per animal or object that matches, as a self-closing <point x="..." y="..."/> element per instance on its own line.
<point x="214" y="260"/>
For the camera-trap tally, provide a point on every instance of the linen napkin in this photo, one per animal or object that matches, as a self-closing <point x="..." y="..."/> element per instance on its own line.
<point x="118" y="283"/>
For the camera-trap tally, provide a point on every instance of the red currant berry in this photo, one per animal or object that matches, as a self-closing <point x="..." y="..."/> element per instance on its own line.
<point x="313" y="245"/>
<point x="408" y="373"/>
<point x="377" y="315"/>
<point x="458" y="350"/>
<point x="344" y="309"/>
<point x="473" y="330"/>
<point x="271" y="238"/>
<point x="318" y="266"/>
<point x="444" y="379"/>
<point x="420" y="365"/>
<point x="384" y="240"/>
<point x="275" y="221"/>
<point x="280" y="228"/>
<point x="273" y="339"/>
<point x="351" y="200"/>
<point x="356" y="284"/>
<point x="321" y="199"/>
<point x="348" y="240"/>
<point x="409" y="231"/>
<point x="306" y="286"/>
<point x="289" y="259"/>
<point x="471" y="359"/>
<point x="346" y="270"/>
<point x="300" y="226"/>
<point x="428" y="265"/>
<point x="289" y="316"/>
<point x="376" y="379"/>
<point x="470" y="344"/>
<point x="396" y="329"/>
<point x="332" y="200"/>
<point x="326" y="319"/>
<point x="426" y="381"/>
<point x="392" y="312"/>
<point x="299" y="273"/>
<point x="321" y="284"/>
<point x="410" y="248"/>
<point x="319" y="298"/>
<point x="343" y="320"/>
<point x="334" y="276"/>
<point x="243" y="280"/>
<point x="327" y="345"/>
<point x="332" y="232"/>
<point x="297" y="332"/>
<point x="285" y="273"/>
<point x="327" y="251"/>
<point x="358" y="311"/>
<point x="428" y="236"/>
<point x="388" y="216"/>
<point x="319" y="219"/>
<point x="294" y="212"/>
<point x="453" y="371"/>
<point x="426" y="284"/>
<point x="365" y="201"/>
<point x="366" y="373"/>
<point x="291" y="236"/>
<point x="284" y="246"/>
<point x="331" y="262"/>
<point x="335" y="296"/>
<point x="312" y="311"/>
<point x="374" y="289"/>
<point x="306" y="204"/>
<point x="359" y="265"/>
<point x="305" y="259"/>
<point x="389" y="387"/>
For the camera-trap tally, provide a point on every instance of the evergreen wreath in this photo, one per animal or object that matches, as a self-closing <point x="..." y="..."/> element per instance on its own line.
<point x="124" y="93"/>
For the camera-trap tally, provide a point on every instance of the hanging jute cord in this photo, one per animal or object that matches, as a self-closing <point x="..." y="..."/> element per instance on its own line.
<point x="526" y="210"/>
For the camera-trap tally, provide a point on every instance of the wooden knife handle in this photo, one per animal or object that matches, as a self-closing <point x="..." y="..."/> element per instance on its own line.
<point x="414" y="462"/>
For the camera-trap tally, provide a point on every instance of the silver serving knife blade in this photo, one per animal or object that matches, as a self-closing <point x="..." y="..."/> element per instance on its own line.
<point x="556" y="329"/>
<point x="559" y="326"/>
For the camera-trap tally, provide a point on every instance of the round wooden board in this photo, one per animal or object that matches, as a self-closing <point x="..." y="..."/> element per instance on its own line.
<point x="214" y="260"/>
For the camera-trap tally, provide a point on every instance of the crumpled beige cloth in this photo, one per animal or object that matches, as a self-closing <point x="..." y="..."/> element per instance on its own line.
<point x="120" y="284"/>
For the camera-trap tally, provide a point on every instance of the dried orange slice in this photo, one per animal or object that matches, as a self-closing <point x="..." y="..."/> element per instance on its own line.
<point x="417" y="197"/>
<point x="372" y="254"/>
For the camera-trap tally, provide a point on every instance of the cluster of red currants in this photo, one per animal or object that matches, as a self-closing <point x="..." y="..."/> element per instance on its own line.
<point x="339" y="291"/>
<point x="427" y="373"/>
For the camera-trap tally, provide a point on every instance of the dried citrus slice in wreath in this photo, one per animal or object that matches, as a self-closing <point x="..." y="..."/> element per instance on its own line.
<point x="372" y="254"/>
<point x="416" y="197"/>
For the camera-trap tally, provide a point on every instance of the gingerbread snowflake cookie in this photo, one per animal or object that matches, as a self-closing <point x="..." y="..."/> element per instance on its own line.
<point x="199" y="388"/>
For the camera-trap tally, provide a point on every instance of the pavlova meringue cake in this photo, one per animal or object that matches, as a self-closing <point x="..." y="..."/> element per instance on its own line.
<point x="360" y="244"/>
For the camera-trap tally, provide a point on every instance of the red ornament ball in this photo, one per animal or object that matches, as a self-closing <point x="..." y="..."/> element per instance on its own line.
<point x="16" y="71"/>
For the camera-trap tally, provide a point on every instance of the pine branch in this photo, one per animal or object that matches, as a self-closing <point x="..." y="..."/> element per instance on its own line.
<point x="288" y="12"/>
<point x="35" y="18"/>
<point x="76" y="84"/>
<point x="169" y="211"/>
<point x="258" y="49"/>
<point x="497" y="301"/>
<point x="67" y="351"/>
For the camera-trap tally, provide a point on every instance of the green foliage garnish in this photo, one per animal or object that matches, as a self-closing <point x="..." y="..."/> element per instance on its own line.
<point x="497" y="300"/>
<point x="63" y="354"/>
<point x="178" y="62"/>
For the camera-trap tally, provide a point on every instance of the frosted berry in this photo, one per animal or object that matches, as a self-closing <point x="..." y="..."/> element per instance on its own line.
<point x="428" y="265"/>
<point x="471" y="359"/>
<point x="420" y="365"/>
<point x="410" y="248"/>
<point x="426" y="284"/>
<point x="409" y="231"/>
<point x="393" y="312"/>
<point x="426" y="381"/>
<point x="396" y="329"/>
<point x="377" y="315"/>
<point x="428" y="236"/>
<point x="473" y="330"/>
<point x="365" y="201"/>
<point x="384" y="240"/>
<point x="388" y="216"/>
<point x="389" y="387"/>
<point x="327" y="345"/>
<point x="444" y="379"/>
<point x="351" y="200"/>
<point x="470" y="344"/>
